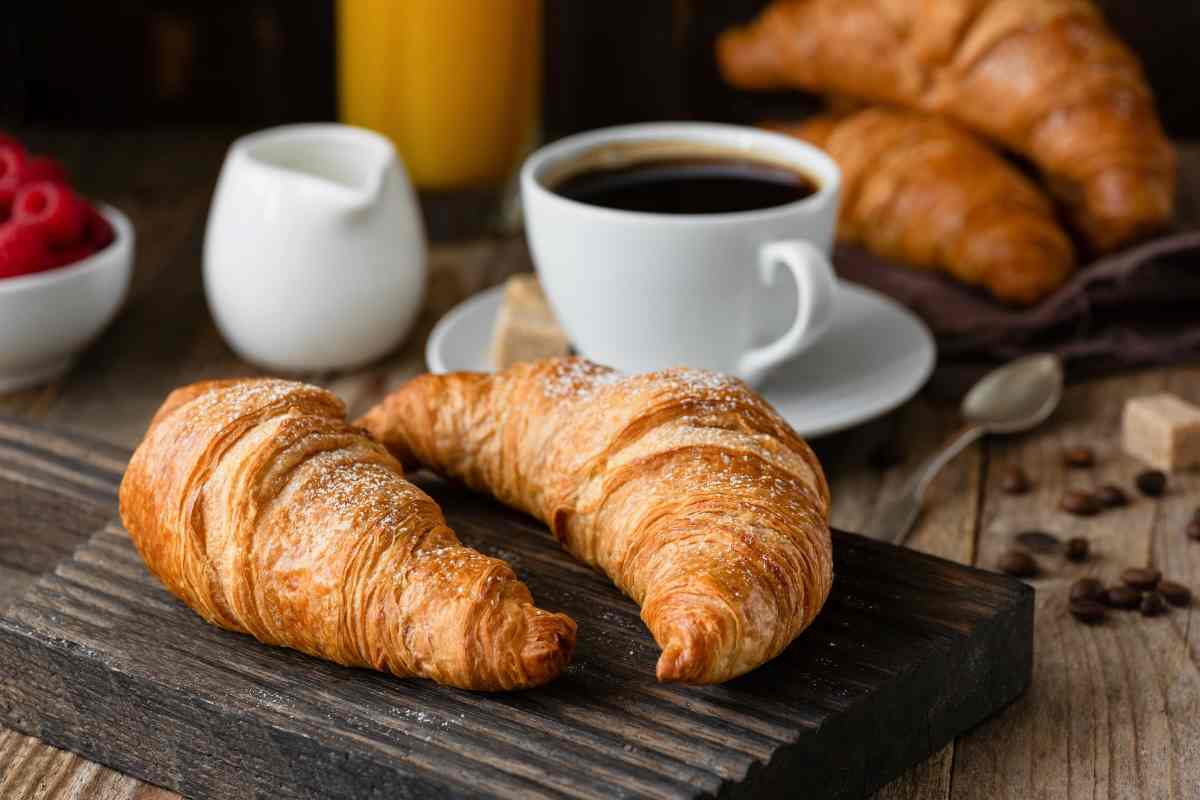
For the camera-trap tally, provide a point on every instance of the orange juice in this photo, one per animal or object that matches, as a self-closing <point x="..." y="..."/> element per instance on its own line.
<point x="456" y="84"/>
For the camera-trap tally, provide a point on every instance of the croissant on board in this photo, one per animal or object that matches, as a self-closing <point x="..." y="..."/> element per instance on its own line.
<point x="257" y="505"/>
<point x="922" y="191"/>
<point x="1046" y="78"/>
<point x="683" y="486"/>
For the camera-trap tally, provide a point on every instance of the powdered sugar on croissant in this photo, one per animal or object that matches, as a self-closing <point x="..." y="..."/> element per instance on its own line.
<point x="261" y="508"/>
<point x="683" y="486"/>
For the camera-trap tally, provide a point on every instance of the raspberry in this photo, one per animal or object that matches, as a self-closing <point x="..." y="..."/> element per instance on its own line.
<point x="97" y="231"/>
<point x="12" y="165"/>
<point x="97" y="235"/>
<point x="43" y="168"/>
<point x="62" y="256"/>
<point x="18" y="168"/>
<point x="22" y="251"/>
<point x="53" y="208"/>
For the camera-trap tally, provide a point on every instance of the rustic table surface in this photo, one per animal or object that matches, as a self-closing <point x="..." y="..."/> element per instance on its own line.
<point x="1114" y="711"/>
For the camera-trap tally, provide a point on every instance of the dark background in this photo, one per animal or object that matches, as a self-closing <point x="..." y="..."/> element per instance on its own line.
<point x="261" y="62"/>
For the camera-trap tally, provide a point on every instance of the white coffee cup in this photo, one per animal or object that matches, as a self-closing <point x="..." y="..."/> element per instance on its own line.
<point x="643" y="291"/>
<point x="314" y="257"/>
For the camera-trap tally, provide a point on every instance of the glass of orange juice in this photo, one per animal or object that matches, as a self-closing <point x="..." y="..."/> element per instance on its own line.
<point x="455" y="84"/>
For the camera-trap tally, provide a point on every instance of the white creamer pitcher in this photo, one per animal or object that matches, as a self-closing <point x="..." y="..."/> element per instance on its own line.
<point x="314" y="257"/>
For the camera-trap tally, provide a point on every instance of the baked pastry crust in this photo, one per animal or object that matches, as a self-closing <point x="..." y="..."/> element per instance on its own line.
<point x="255" y="503"/>
<point x="1046" y="78"/>
<point x="925" y="192"/>
<point x="683" y="486"/>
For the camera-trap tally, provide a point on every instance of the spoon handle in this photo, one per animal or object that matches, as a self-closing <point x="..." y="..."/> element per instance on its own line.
<point x="899" y="515"/>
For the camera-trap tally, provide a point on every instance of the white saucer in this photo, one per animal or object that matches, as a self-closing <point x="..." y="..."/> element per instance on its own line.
<point x="876" y="356"/>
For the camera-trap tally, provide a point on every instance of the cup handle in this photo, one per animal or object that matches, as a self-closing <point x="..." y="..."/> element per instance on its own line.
<point x="816" y="288"/>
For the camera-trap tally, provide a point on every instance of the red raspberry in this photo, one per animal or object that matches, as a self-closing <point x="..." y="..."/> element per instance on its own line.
<point x="97" y="232"/>
<point x="63" y="256"/>
<point x="53" y="208"/>
<point x="22" y="251"/>
<point x="43" y="168"/>
<point x="18" y="168"/>
<point x="97" y="235"/>
<point x="12" y="166"/>
<point x="8" y="140"/>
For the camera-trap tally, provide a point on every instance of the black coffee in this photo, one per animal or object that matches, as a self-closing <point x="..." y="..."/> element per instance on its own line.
<point x="691" y="186"/>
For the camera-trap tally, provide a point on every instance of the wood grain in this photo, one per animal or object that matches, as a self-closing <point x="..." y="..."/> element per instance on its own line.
<point x="861" y="488"/>
<point x="38" y="772"/>
<point x="909" y="652"/>
<point x="1112" y="709"/>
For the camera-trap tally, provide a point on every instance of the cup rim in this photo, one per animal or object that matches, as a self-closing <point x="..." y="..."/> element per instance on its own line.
<point x="803" y="155"/>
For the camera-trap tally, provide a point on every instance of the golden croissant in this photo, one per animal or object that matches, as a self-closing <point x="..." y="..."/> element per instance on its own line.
<point x="925" y="192"/>
<point x="259" y="506"/>
<point x="683" y="486"/>
<point x="1046" y="78"/>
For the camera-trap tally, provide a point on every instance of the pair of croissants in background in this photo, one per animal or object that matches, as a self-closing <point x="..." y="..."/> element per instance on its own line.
<point x="925" y="182"/>
<point x="258" y="505"/>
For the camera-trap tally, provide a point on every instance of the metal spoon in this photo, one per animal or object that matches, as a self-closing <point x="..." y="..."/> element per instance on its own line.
<point x="1013" y="398"/>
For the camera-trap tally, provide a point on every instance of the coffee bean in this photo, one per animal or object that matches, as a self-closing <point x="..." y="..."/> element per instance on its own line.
<point x="1077" y="549"/>
<point x="1014" y="481"/>
<point x="1152" y="482"/>
<point x="1112" y="496"/>
<point x="1153" y="604"/>
<point x="1088" y="612"/>
<point x="1176" y="593"/>
<point x="1122" y="597"/>
<point x="1079" y="457"/>
<point x="1038" y="541"/>
<point x="1079" y="503"/>
<point x="1087" y="589"/>
<point x="1193" y="529"/>
<point x="1141" y="578"/>
<point x="1018" y="564"/>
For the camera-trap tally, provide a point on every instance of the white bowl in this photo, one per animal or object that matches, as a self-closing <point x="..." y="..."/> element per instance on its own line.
<point x="48" y="318"/>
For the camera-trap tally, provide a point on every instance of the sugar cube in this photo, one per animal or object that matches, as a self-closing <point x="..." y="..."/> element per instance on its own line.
<point x="1163" y="431"/>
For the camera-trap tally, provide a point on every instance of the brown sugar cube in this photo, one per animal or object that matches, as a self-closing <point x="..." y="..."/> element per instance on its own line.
<point x="1163" y="431"/>
<point x="526" y="329"/>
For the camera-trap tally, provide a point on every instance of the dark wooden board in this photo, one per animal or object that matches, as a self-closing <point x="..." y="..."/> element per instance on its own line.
<point x="97" y="658"/>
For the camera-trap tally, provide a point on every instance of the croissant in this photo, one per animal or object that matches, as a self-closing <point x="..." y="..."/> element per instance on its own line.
<point x="256" y="504"/>
<point x="923" y="191"/>
<point x="1046" y="78"/>
<point x="683" y="486"/>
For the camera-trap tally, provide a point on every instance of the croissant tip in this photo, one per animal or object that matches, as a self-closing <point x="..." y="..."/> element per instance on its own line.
<point x="549" y="648"/>
<point x="667" y="670"/>
<point x="679" y="664"/>
<point x="743" y="60"/>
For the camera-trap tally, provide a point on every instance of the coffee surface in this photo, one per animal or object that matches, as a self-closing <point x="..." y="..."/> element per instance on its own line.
<point x="689" y="186"/>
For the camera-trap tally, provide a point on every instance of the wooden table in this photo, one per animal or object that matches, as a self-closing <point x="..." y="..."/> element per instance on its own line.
<point x="1114" y="711"/>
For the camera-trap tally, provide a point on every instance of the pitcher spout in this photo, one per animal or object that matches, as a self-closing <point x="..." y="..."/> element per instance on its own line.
<point x="347" y="167"/>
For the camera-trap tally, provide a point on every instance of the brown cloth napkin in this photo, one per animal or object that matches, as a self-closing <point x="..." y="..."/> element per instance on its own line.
<point x="1137" y="308"/>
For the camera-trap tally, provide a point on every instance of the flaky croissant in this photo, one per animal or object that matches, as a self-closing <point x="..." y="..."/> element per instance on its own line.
<point x="261" y="508"/>
<point x="922" y="191"/>
<point x="683" y="486"/>
<point x="1046" y="78"/>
